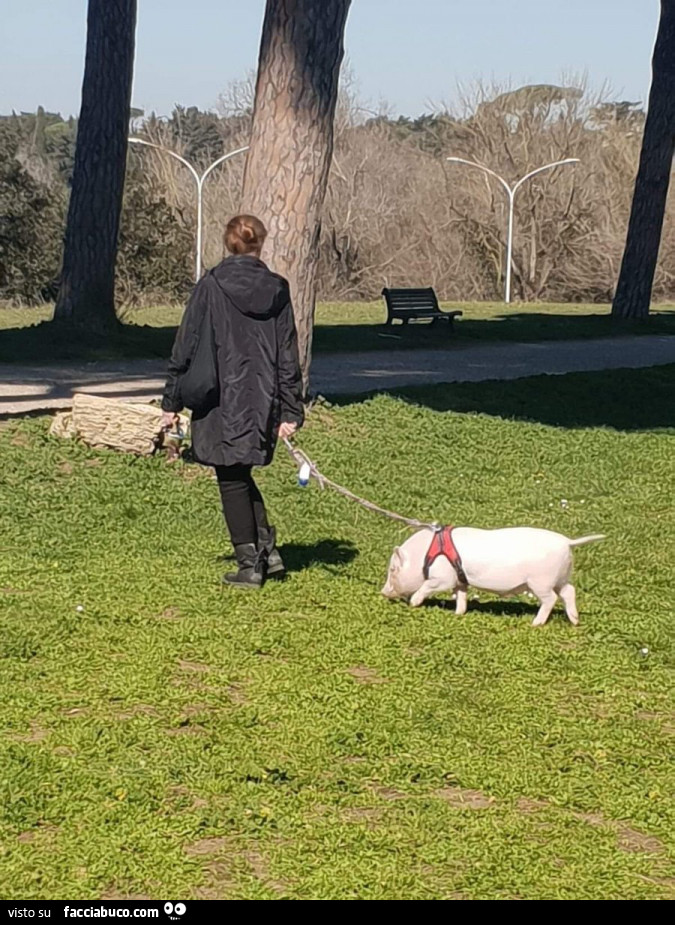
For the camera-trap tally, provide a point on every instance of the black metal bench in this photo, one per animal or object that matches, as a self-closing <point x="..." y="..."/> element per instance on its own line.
<point x="415" y="304"/>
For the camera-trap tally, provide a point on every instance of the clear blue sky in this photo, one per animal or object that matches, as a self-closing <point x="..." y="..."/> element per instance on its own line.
<point x="407" y="52"/>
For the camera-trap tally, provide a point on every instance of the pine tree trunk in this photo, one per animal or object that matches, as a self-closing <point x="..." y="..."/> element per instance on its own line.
<point x="87" y="289"/>
<point x="292" y="141"/>
<point x="634" y="288"/>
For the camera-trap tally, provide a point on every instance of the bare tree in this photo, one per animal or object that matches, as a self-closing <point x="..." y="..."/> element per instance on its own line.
<point x="292" y="140"/>
<point x="86" y="295"/>
<point x="634" y="288"/>
<point x="395" y="213"/>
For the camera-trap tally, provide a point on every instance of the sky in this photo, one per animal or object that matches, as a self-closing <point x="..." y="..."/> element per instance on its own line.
<point x="409" y="53"/>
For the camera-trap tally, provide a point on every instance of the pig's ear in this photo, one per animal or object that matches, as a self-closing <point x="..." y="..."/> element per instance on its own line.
<point x="399" y="558"/>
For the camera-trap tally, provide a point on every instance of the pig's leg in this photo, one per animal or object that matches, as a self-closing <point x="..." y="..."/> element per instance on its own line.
<point x="547" y="601"/>
<point x="569" y="599"/>
<point x="430" y="586"/>
<point x="460" y="606"/>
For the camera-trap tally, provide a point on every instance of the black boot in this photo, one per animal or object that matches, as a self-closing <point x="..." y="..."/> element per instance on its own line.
<point x="251" y="562"/>
<point x="267" y="544"/>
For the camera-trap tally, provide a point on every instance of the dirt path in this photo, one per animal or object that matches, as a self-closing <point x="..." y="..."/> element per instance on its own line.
<point x="31" y="388"/>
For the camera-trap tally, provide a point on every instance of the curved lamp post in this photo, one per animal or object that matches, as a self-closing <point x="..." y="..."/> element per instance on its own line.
<point x="511" y="193"/>
<point x="199" y="179"/>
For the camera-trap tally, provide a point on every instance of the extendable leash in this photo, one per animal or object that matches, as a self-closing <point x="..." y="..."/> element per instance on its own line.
<point x="307" y="469"/>
<point x="442" y="543"/>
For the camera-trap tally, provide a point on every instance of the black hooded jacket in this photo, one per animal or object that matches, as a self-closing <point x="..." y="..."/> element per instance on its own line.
<point x="257" y="358"/>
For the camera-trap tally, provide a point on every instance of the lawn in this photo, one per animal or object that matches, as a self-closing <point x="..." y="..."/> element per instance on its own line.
<point x="340" y="327"/>
<point x="165" y="737"/>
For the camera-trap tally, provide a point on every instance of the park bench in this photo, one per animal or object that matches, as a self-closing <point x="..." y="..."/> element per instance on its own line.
<point x="415" y="304"/>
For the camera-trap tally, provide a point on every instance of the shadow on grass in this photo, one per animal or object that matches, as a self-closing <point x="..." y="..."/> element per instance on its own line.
<point x="623" y="399"/>
<point x="53" y="343"/>
<point x="496" y="608"/>
<point x="50" y="342"/>
<point x="301" y="556"/>
<point x="524" y="327"/>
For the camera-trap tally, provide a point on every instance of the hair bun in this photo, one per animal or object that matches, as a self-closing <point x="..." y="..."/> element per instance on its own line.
<point x="245" y="234"/>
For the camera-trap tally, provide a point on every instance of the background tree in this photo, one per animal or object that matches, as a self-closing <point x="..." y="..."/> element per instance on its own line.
<point x="634" y="289"/>
<point x="31" y="223"/>
<point x="395" y="213"/>
<point x="155" y="254"/>
<point x="87" y="289"/>
<point x="292" y="140"/>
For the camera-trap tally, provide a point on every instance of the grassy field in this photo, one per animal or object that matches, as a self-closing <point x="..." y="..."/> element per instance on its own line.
<point x="340" y="327"/>
<point x="164" y="737"/>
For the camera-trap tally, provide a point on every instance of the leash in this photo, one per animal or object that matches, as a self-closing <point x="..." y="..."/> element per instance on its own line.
<point x="301" y="460"/>
<point x="442" y="542"/>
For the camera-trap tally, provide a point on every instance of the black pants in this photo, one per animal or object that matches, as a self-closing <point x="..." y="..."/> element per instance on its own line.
<point x="243" y="505"/>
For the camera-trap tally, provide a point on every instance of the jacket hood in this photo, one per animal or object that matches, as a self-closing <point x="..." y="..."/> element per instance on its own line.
<point x="251" y="286"/>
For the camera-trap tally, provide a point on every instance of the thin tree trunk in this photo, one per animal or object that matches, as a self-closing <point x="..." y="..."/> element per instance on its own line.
<point x="634" y="288"/>
<point x="292" y="141"/>
<point x="87" y="289"/>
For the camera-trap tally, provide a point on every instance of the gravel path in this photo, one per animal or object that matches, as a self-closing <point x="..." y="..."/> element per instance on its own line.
<point x="32" y="388"/>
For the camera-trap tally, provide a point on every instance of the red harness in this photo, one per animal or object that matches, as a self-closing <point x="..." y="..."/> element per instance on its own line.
<point x="442" y="544"/>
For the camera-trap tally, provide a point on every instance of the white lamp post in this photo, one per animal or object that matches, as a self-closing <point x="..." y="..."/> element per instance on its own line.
<point x="511" y="193"/>
<point x="199" y="179"/>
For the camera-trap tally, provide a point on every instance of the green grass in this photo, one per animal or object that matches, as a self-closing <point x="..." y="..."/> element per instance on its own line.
<point x="359" y="326"/>
<point x="315" y="741"/>
<point x="340" y="327"/>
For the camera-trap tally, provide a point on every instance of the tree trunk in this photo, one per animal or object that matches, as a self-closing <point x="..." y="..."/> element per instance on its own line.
<point x="292" y="141"/>
<point x="87" y="289"/>
<point x="634" y="288"/>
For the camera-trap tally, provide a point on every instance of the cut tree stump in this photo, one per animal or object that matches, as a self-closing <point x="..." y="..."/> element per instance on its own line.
<point x="117" y="425"/>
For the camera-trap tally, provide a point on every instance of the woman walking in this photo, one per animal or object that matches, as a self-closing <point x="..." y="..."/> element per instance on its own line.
<point x="235" y="364"/>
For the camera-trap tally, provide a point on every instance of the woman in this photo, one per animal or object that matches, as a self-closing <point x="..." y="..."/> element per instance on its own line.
<point x="238" y="327"/>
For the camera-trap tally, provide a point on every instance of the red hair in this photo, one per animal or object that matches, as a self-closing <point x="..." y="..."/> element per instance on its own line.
<point x="245" y="234"/>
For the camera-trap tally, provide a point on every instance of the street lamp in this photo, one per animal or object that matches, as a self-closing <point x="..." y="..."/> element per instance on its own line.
<point x="199" y="179"/>
<point x="511" y="193"/>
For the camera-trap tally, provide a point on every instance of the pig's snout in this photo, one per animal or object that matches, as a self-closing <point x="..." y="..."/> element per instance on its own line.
<point x="389" y="591"/>
<point x="394" y="589"/>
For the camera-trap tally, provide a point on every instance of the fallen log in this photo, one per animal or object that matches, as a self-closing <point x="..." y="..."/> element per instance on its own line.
<point x="125" y="426"/>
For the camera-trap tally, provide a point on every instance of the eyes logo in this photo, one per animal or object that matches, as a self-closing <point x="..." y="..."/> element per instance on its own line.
<point x="174" y="910"/>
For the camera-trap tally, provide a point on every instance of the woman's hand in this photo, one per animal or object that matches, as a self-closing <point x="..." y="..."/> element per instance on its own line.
<point x="169" y="418"/>
<point x="286" y="430"/>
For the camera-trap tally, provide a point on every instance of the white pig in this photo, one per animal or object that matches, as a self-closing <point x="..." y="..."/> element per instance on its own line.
<point x="506" y="561"/>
